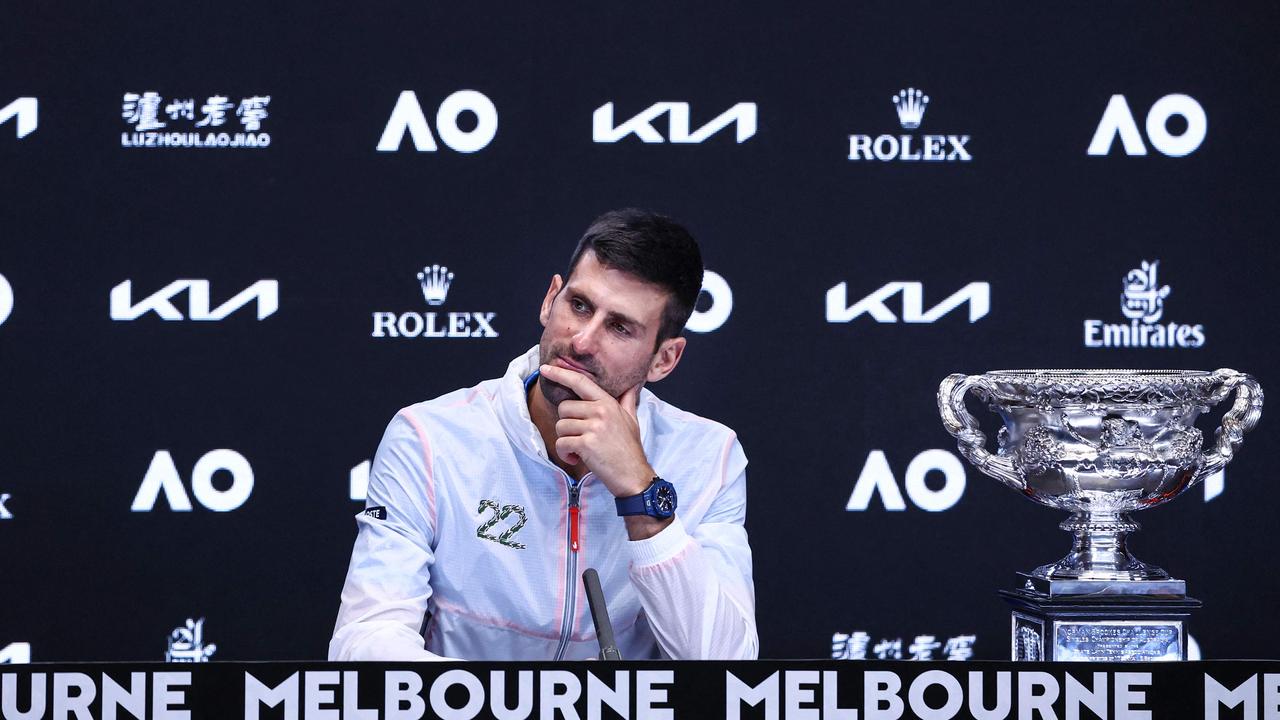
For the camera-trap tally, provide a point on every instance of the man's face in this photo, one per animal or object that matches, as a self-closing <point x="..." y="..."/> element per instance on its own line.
<point x="602" y="323"/>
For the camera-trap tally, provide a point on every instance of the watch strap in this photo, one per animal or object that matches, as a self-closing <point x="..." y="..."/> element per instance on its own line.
<point x="644" y="503"/>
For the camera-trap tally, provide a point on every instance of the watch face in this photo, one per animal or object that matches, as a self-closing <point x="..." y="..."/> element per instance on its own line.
<point x="665" y="499"/>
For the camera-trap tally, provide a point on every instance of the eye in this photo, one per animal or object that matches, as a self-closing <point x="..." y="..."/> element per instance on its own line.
<point x="621" y="329"/>
<point x="578" y="305"/>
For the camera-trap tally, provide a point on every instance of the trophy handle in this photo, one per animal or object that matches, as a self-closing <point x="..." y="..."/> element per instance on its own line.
<point x="1243" y="415"/>
<point x="971" y="441"/>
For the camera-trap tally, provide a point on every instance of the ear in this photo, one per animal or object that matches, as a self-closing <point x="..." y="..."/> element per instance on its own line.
<point x="666" y="359"/>
<point x="544" y="315"/>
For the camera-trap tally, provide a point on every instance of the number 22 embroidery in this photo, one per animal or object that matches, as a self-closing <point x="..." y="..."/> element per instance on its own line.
<point x="500" y="514"/>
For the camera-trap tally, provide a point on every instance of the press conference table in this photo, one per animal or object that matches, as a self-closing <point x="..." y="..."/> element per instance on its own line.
<point x="799" y="689"/>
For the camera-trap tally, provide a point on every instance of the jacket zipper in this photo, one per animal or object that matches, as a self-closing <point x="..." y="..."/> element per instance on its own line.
<point x="571" y="566"/>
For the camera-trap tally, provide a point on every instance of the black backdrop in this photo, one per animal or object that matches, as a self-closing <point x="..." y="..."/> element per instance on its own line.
<point x="783" y="216"/>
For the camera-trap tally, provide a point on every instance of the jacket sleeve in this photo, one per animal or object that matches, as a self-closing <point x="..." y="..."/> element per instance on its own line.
<point x="388" y="583"/>
<point x="696" y="588"/>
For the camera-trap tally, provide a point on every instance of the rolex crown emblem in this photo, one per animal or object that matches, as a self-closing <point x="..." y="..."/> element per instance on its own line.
<point x="910" y="104"/>
<point x="435" y="281"/>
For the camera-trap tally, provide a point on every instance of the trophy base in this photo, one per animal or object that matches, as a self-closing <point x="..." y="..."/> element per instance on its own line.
<point x="1103" y="624"/>
<point x="1054" y="587"/>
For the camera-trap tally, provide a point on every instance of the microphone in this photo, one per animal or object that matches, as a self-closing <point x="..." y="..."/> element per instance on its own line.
<point x="600" y="615"/>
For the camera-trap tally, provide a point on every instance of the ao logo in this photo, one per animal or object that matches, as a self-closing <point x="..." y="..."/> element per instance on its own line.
<point x="6" y="299"/>
<point x="407" y="117"/>
<point x="1118" y="120"/>
<point x="877" y="476"/>
<point x="1214" y="485"/>
<point x="162" y="475"/>
<point x="27" y="112"/>
<point x="18" y="653"/>
<point x="359" y="481"/>
<point x="704" y="321"/>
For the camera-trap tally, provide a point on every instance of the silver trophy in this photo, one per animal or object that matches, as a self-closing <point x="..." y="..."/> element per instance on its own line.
<point x="1101" y="444"/>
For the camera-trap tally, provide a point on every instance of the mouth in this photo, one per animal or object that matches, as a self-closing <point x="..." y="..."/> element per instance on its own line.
<point x="568" y="364"/>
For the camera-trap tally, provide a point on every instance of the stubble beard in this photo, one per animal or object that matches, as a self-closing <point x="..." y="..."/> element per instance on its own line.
<point x="555" y="393"/>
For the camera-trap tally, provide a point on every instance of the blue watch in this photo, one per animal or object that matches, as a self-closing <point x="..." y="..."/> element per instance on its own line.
<point x="659" y="501"/>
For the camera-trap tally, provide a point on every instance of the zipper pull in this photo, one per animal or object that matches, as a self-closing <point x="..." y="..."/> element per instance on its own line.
<point x="574" y="490"/>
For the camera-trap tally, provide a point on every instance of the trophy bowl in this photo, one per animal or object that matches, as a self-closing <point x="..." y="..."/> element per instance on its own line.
<point x="1100" y="444"/>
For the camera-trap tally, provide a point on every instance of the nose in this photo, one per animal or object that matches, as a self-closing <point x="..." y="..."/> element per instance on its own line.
<point x="586" y="341"/>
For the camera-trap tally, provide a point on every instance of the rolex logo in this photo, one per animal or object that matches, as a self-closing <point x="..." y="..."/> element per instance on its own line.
<point x="435" y="281"/>
<point x="909" y="146"/>
<point x="910" y="104"/>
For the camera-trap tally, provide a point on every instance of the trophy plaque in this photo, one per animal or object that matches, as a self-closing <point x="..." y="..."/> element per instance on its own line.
<point x="1100" y="444"/>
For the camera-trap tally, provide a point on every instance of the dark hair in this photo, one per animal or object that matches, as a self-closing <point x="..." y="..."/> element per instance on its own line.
<point x="655" y="249"/>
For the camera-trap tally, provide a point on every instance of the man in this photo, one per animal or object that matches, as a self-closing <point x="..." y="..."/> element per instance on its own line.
<point x="486" y="504"/>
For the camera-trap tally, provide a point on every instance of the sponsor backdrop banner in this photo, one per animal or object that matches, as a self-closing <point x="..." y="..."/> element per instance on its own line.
<point x="235" y="240"/>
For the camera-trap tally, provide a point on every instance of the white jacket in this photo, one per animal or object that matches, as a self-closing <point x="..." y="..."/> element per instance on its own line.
<point x="475" y="535"/>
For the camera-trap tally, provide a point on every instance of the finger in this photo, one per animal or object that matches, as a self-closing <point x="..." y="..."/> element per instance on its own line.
<point x="567" y="448"/>
<point x="577" y="409"/>
<point x="584" y="386"/>
<point x="570" y="427"/>
<point x="630" y="400"/>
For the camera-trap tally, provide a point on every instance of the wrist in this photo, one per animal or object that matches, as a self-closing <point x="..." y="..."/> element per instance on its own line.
<point x="639" y="481"/>
<point x="643" y="527"/>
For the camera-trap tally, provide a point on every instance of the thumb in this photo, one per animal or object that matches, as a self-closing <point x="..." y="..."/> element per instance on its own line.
<point x="630" y="400"/>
